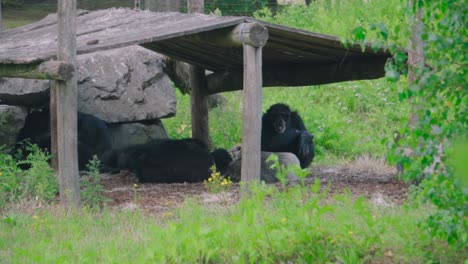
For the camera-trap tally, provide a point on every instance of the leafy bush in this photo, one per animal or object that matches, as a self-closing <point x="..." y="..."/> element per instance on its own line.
<point x="37" y="182"/>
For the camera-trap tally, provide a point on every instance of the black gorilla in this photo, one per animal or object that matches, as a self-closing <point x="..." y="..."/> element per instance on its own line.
<point x="93" y="134"/>
<point x="169" y="160"/>
<point x="284" y="131"/>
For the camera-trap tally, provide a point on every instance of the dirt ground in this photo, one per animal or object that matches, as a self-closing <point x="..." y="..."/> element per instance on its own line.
<point x="370" y="178"/>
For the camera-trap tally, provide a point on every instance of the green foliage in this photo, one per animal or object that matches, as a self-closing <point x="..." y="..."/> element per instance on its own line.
<point x="92" y="192"/>
<point x="440" y="98"/>
<point x="351" y="19"/>
<point x="10" y="189"/>
<point x="297" y="225"/>
<point x="37" y="182"/>
<point x="281" y="170"/>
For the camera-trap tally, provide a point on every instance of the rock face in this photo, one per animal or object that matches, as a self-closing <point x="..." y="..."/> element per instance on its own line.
<point x="124" y="85"/>
<point x="120" y="85"/>
<point x="124" y="135"/>
<point x="26" y="92"/>
<point x="11" y="121"/>
<point x="267" y="174"/>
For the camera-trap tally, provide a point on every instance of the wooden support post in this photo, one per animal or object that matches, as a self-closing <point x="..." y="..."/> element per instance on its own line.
<point x="199" y="104"/>
<point x="63" y="109"/>
<point x="253" y="41"/>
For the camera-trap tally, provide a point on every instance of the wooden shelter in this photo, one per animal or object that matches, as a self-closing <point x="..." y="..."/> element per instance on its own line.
<point x="240" y="52"/>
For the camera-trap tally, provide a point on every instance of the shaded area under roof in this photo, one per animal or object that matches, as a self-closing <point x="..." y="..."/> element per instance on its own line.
<point x="297" y="55"/>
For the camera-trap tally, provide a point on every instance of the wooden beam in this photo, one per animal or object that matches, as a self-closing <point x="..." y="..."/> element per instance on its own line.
<point x="253" y="33"/>
<point x="253" y="41"/>
<point x="252" y="115"/>
<point x="49" y="70"/>
<point x="199" y="102"/>
<point x="64" y="109"/>
<point x="301" y="75"/>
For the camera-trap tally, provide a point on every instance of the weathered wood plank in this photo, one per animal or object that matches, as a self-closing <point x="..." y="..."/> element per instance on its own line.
<point x="112" y="28"/>
<point x="49" y="70"/>
<point x="64" y="103"/>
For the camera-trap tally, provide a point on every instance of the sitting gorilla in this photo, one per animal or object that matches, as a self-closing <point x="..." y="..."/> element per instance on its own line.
<point x="93" y="134"/>
<point x="169" y="160"/>
<point x="284" y="131"/>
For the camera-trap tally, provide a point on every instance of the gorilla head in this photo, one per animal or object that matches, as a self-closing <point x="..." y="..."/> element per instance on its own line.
<point x="279" y="116"/>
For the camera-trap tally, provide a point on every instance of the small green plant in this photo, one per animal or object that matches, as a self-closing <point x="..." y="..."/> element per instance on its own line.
<point x="282" y="171"/>
<point x="92" y="192"/>
<point x="40" y="180"/>
<point x="217" y="183"/>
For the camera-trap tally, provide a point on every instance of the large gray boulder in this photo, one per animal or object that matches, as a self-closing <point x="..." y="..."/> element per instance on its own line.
<point x="124" y="85"/>
<point x="26" y="92"/>
<point x="11" y="121"/>
<point x="129" y="134"/>
<point x="120" y="85"/>
<point x="267" y="174"/>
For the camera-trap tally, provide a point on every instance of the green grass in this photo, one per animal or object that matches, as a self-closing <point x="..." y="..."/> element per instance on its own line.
<point x="296" y="225"/>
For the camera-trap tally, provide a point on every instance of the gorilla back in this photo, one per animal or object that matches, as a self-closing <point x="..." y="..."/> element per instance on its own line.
<point x="169" y="160"/>
<point x="93" y="134"/>
<point x="284" y="131"/>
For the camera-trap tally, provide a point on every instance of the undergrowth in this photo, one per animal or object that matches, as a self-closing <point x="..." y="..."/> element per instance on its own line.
<point x="298" y="224"/>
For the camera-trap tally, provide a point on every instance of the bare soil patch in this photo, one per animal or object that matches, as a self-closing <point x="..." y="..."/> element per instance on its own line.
<point x="377" y="182"/>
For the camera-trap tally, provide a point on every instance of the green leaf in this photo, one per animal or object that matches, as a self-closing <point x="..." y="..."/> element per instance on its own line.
<point x="359" y="33"/>
<point x="392" y="75"/>
<point x="400" y="58"/>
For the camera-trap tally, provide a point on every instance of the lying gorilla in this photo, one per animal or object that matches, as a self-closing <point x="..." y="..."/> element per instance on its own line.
<point x="284" y="131"/>
<point x="93" y="134"/>
<point x="169" y="160"/>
